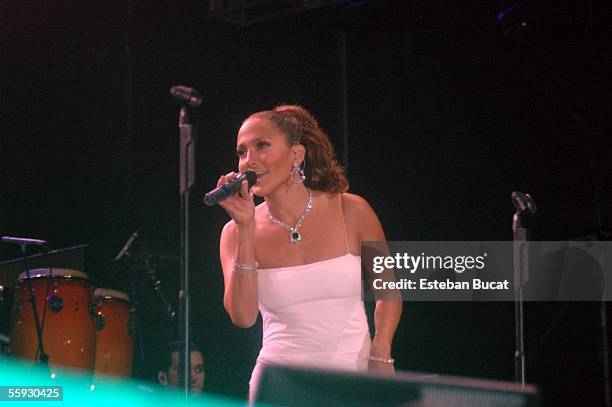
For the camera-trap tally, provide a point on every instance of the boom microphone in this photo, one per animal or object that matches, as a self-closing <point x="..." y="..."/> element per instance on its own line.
<point x="220" y="193"/>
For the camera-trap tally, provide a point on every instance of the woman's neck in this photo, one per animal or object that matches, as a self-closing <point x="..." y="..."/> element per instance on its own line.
<point x="287" y="204"/>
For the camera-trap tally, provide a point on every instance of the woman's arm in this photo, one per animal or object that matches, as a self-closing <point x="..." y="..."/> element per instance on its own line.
<point x="387" y="313"/>
<point x="386" y="318"/>
<point x="237" y="252"/>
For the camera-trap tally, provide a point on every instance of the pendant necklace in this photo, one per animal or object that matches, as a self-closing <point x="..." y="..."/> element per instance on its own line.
<point x="294" y="232"/>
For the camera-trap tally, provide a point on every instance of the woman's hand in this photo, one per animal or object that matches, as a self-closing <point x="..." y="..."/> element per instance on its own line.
<point x="381" y="367"/>
<point x="240" y="206"/>
<point x="381" y="351"/>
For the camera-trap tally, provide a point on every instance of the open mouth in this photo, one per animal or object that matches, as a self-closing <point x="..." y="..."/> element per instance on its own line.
<point x="261" y="174"/>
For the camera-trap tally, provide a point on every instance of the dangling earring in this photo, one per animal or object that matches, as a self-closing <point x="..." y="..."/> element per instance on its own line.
<point x="302" y="172"/>
<point x="296" y="169"/>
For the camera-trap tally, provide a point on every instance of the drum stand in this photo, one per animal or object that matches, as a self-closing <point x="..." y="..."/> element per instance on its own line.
<point x="43" y="358"/>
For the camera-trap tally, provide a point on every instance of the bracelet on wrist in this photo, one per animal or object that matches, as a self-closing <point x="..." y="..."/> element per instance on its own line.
<point x="381" y="360"/>
<point x="244" y="266"/>
<point x="244" y="269"/>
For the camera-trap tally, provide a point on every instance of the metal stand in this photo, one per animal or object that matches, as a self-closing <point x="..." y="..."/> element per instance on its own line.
<point x="603" y="234"/>
<point x="121" y="255"/>
<point x="192" y="98"/>
<point x="605" y="351"/>
<point x="187" y="179"/>
<point x="525" y="207"/>
<point x="43" y="358"/>
<point x="151" y="271"/>
<point x="521" y="275"/>
<point x="136" y="308"/>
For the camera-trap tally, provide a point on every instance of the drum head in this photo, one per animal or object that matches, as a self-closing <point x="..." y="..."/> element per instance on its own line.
<point x="111" y="294"/>
<point x="45" y="273"/>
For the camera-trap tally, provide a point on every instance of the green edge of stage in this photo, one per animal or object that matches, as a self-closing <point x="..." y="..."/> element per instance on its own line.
<point x="77" y="390"/>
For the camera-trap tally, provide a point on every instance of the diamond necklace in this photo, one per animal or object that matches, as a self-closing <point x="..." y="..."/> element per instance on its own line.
<point x="294" y="232"/>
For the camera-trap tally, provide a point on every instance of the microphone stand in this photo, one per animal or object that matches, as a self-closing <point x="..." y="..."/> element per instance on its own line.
<point x="136" y="307"/>
<point x="525" y="207"/>
<point x="123" y="253"/>
<point x="603" y="305"/>
<point x="151" y="271"/>
<point x="187" y="179"/>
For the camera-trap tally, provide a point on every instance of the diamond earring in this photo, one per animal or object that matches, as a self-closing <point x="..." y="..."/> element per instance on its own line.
<point x="296" y="169"/>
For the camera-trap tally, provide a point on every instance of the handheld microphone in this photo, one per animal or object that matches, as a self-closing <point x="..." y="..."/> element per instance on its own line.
<point x="192" y="97"/>
<point x="220" y="193"/>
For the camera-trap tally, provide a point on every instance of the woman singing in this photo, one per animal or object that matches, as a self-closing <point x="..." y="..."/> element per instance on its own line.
<point x="295" y="257"/>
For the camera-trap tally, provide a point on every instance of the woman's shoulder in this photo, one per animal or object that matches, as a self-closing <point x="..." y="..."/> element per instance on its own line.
<point x="359" y="214"/>
<point x="353" y="204"/>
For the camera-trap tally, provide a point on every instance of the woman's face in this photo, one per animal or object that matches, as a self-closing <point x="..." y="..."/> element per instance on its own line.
<point x="262" y="147"/>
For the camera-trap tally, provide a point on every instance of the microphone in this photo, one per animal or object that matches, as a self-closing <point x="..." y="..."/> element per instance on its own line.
<point x="24" y="241"/>
<point x="523" y="203"/>
<point x="220" y="193"/>
<point x="127" y="246"/>
<point x="525" y="208"/>
<point x="192" y="97"/>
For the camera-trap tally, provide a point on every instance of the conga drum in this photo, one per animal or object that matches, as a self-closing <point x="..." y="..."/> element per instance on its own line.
<point x="64" y="305"/>
<point x="114" y="335"/>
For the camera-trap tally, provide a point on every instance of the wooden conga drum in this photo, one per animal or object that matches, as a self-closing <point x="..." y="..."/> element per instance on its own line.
<point x="63" y="302"/>
<point x="114" y="335"/>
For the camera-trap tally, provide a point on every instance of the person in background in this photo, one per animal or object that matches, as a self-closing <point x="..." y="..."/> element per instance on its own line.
<point x="168" y="373"/>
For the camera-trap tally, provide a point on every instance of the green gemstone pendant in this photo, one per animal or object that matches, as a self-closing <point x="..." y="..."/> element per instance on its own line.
<point x="295" y="236"/>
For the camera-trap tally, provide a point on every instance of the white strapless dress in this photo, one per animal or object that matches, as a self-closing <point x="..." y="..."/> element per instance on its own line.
<point x="313" y="316"/>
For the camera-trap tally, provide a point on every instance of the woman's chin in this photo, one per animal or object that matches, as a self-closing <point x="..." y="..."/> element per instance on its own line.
<point x="257" y="191"/>
<point x="262" y="189"/>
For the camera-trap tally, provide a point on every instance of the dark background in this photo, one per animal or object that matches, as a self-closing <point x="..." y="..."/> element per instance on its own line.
<point x="447" y="109"/>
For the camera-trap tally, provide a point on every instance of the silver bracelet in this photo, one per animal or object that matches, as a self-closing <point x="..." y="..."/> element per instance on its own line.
<point x="381" y="360"/>
<point x="244" y="269"/>
<point x="243" y="266"/>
